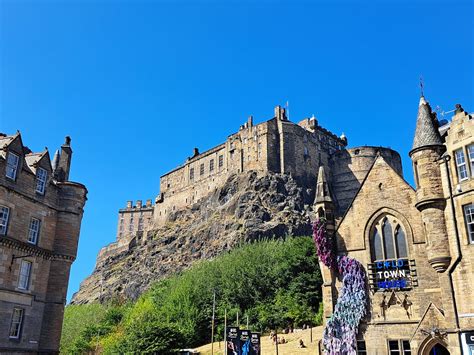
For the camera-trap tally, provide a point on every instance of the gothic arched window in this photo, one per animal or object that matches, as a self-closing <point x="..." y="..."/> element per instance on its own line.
<point x="388" y="240"/>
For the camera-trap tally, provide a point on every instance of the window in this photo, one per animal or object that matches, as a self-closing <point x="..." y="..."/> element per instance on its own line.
<point x="470" y="153"/>
<point x="33" y="231"/>
<point x="191" y="174"/>
<point x="201" y="169"/>
<point x="12" y="165"/>
<point x="388" y="240"/>
<point x="415" y="169"/>
<point x="4" y="213"/>
<point x="399" y="347"/>
<point x="140" y="223"/>
<point x="211" y="165"/>
<point x="15" y="326"/>
<point x="461" y="164"/>
<point x="121" y="224"/>
<point x="469" y="217"/>
<point x="259" y="150"/>
<point x="361" y="348"/>
<point x="24" y="278"/>
<point x="221" y="161"/>
<point x="130" y="226"/>
<point x="41" y="177"/>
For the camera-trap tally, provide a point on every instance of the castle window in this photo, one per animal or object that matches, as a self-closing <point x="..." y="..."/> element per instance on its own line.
<point x="16" y="323"/>
<point x="191" y="174"/>
<point x="121" y="224"/>
<point x="388" y="240"/>
<point x="24" y="278"/>
<point x="201" y="169"/>
<point x="140" y="223"/>
<point x="399" y="347"/>
<point x="41" y="177"/>
<point x="469" y="218"/>
<point x="4" y="214"/>
<point x="259" y="150"/>
<point x="12" y="165"/>
<point x="211" y="165"/>
<point x="461" y="164"/>
<point x="221" y="161"/>
<point x="33" y="231"/>
<point x="470" y="152"/>
<point x="130" y="227"/>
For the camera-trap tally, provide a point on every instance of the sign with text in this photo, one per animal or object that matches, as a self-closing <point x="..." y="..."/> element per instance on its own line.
<point x="398" y="274"/>
<point x="254" y="343"/>
<point x="244" y="342"/>
<point x="233" y="341"/>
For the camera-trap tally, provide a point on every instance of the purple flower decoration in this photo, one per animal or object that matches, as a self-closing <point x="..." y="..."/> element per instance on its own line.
<point x="341" y="329"/>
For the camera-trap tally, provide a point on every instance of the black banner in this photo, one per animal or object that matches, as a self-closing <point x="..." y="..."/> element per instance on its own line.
<point x="233" y="341"/>
<point x="254" y="343"/>
<point x="244" y="342"/>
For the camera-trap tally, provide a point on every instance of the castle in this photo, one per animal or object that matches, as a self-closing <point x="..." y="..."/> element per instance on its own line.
<point x="40" y="219"/>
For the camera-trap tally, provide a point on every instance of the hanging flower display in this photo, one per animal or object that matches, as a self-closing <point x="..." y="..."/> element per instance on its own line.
<point x="341" y="329"/>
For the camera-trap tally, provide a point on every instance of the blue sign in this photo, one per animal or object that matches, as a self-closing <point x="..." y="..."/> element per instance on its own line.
<point x="391" y="274"/>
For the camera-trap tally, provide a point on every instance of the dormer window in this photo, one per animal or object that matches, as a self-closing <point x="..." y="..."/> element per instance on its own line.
<point x="12" y="165"/>
<point x="41" y="177"/>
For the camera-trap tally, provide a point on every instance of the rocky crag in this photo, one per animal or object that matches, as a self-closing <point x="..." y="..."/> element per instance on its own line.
<point x="246" y="208"/>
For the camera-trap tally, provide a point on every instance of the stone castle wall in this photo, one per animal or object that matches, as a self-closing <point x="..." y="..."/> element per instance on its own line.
<point x="276" y="145"/>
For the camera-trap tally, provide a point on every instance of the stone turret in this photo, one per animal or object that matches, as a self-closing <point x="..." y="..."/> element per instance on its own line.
<point x="426" y="154"/>
<point x="323" y="203"/>
<point x="324" y="208"/>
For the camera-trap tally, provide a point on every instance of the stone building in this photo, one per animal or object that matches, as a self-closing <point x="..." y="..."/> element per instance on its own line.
<point x="40" y="219"/>
<point x="417" y="244"/>
<point x="133" y="223"/>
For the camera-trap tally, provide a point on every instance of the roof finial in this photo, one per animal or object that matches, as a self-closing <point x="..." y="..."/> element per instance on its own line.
<point x="422" y="84"/>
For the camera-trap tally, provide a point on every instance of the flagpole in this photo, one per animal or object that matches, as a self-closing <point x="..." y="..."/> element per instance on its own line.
<point x="225" y="330"/>
<point x="213" y="316"/>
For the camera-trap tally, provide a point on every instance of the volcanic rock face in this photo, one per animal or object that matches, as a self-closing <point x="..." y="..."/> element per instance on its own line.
<point x="246" y="208"/>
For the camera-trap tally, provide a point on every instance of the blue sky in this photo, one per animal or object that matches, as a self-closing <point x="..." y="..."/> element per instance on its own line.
<point x="137" y="85"/>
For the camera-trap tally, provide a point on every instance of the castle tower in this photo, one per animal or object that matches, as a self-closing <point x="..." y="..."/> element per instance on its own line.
<point x="426" y="154"/>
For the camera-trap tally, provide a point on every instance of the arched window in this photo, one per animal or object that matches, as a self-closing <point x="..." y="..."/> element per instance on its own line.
<point x="388" y="239"/>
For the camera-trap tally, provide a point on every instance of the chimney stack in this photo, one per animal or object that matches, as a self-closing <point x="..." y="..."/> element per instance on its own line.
<point x="64" y="164"/>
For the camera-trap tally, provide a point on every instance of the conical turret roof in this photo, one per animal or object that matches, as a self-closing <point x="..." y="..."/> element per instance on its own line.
<point x="322" y="188"/>
<point x="426" y="133"/>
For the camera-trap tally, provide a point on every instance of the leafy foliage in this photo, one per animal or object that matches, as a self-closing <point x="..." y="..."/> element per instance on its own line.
<point x="275" y="283"/>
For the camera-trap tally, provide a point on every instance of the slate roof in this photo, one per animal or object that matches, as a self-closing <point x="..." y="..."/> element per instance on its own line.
<point x="426" y="133"/>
